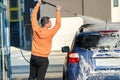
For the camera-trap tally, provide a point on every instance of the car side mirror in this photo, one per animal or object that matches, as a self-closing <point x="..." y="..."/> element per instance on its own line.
<point x="65" y="49"/>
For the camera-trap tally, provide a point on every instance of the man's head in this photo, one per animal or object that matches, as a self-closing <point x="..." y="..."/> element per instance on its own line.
<point x="46" y="22"/>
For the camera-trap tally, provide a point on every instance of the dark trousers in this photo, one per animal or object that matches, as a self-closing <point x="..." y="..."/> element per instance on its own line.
<point x="38" y="67"/>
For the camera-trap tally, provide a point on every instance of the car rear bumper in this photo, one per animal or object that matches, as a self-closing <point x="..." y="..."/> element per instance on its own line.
<point x="115" y="75"/>
<point x="104" y="75"/>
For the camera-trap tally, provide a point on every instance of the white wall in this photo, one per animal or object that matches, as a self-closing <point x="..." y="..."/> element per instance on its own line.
<point x="115" y="12"/>
<point x="69" y="25"/>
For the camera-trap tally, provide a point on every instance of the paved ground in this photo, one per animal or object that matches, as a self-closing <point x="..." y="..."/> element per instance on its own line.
<point x="20" y="67"/>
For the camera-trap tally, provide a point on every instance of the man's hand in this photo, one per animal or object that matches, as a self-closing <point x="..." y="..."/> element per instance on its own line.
<point x="39" y="1"/>
<point x="58" y="7"/>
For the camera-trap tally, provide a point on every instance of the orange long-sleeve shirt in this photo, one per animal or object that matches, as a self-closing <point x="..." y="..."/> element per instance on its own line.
<point x="42" y="38"/>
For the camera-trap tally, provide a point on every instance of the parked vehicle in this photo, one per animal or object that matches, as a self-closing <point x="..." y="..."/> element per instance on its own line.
<point x="94" y="54"/>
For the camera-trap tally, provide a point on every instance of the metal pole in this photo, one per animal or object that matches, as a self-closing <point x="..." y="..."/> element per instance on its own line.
<point x="20" y="23"/>
<point x="83" y="7"/>
<point x="7" y="31"/>
<point x="3" y="65"/>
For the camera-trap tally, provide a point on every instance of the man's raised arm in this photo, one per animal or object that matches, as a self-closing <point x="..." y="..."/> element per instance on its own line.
<point x="34" y="20"/>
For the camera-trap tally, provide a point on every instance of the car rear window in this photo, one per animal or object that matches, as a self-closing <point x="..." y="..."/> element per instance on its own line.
<point x="102" y="41"/>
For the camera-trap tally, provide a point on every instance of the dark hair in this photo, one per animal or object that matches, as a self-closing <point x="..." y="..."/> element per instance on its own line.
<point x="44" y="20"/>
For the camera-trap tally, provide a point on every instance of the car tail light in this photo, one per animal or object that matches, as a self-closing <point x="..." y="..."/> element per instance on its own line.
<point x="73" y="57"/>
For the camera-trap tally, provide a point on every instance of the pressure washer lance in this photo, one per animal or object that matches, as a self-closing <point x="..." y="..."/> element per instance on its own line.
<point x="76" y="14"/>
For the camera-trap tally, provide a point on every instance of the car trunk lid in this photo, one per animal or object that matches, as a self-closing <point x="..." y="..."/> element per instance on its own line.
<point x="109" y="60"/>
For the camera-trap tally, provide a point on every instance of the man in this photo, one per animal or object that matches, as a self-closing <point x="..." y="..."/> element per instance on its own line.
<point x="42" y="42"/>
